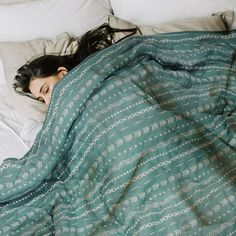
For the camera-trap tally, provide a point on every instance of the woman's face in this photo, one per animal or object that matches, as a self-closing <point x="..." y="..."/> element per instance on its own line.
<point x="42" y="88"/>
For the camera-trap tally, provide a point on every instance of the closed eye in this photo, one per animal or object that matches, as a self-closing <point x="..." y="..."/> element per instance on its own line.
<point x="45" y="89"/>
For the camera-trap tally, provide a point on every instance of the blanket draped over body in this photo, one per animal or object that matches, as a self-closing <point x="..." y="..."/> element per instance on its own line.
<point x="139" y="139"/>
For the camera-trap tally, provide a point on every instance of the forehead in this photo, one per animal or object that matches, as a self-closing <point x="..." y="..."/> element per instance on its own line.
<point x="35" y="85"/>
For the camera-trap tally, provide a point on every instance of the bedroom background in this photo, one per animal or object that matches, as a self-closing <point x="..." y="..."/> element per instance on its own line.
<point x="32" y="28"/>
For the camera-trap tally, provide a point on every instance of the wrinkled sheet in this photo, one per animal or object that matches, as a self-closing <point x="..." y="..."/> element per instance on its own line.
<point x="139" y="139"/>
<point x="11" y="142"/>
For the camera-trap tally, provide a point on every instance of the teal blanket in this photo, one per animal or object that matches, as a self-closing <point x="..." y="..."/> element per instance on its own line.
<point x="140" y="139"/>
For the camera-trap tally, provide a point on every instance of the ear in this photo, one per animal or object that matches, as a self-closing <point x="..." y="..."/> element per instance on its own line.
<point x="62" y="71"/>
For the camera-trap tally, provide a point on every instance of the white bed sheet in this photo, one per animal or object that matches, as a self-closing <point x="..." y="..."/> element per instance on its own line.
<point x="11" y="144"/>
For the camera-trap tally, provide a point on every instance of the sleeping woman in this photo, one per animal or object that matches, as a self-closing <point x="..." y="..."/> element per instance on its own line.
<point x="142" y="143"/>
<point x="39" y="76"/>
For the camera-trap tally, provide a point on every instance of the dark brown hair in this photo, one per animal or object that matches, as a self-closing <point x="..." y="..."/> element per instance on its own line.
<point x="48" y="65"/>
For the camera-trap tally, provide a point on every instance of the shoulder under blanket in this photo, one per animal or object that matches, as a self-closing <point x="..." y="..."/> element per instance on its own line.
<point x="140" y="139"/>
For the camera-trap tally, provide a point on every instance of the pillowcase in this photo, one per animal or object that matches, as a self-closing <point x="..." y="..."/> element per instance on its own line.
<point x="8" y="2"/>
<point x="2" y="76"/>
<point x="48" y="18"/>
<point x="221" y="21"/>
<point x="25" y="20"/>
<point x="153" y="12"/>
<point x="31" y="113"/>
<point x="16" y="54"/>
<point x="11" y="144"/>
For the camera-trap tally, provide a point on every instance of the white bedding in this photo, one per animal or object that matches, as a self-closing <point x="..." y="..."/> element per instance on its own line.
<point x="18" y="26"/>
<point x="22" y="20"/>
<point x="12" y="145"/>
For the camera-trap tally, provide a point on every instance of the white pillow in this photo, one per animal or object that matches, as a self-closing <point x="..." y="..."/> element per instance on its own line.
<point x="8" y="2"/>
<point x="151" y="12"/>
<point x="12" y="145"/>
<point x="16" y="54"/>
<point x="2" y="76"/>
<point x="220" y="21"/>
<point x="48" y="18"/>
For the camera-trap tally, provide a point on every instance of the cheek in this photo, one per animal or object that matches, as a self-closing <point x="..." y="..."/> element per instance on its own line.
<point x="51" y="87"/>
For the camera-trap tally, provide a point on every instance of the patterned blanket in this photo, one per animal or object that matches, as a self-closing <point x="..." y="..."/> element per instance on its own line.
<point x="140" y="139"/>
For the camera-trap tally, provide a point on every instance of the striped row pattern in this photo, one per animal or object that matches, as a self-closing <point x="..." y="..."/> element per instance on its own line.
<point x="140" y="139"/>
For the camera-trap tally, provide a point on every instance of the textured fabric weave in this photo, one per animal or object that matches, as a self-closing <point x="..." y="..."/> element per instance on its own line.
<point x="139" y="140"/>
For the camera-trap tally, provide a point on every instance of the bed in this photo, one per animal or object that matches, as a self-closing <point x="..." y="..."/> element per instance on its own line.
<point x="144" y="140"/>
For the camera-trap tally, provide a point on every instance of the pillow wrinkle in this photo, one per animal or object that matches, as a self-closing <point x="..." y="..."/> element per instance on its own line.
<point x="215" y="22"/>
<point x="15" y="54"/>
